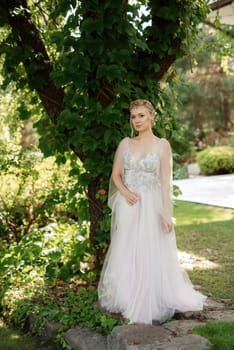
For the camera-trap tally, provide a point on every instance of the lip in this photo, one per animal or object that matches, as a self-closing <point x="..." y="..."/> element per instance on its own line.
<point x="138" y="126"/>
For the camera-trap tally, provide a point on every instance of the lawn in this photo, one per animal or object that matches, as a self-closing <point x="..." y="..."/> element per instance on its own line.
<point x="206" y="250"/>
<point x="204" y="238"/>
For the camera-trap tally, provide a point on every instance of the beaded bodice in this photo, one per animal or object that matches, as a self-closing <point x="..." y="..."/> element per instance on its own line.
<point x="143" y="174"/>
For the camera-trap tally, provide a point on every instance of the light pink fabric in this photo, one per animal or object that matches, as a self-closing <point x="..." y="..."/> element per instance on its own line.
<point x="141" y="276"/>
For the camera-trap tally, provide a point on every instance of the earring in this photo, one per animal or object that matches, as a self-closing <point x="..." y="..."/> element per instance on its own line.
<point x="154" y="118"/>
<point x="132" y="130"/>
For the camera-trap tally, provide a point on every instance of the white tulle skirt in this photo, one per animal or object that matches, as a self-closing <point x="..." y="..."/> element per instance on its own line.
<point x="141" y="276"/>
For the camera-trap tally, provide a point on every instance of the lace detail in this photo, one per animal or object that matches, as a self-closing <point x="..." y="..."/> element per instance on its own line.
<point x="143" y="174"/>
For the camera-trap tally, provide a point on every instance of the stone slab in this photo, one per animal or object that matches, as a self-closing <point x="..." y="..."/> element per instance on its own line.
<point x="187" y="342"/>
<point x="182" y="327"/>
<point x="213" y="305"/>
<point x="84" y="339"/>
<point x="50" y="330"/>
<point x="137" y="337"/>
<point x="220" y="315"/>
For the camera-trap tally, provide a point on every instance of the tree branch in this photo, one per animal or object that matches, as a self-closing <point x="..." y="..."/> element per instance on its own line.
<point x="221" y="29"/>
<point x="35" y="58"/>
<point x="219" y="4"/>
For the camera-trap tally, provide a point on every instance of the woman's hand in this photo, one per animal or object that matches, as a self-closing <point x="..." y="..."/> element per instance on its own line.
<point x="167" y="225"/>
<point x="131" y="197"/>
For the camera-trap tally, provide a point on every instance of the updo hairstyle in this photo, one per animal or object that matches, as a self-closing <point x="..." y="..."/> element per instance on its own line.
<point x="143" y="103"/>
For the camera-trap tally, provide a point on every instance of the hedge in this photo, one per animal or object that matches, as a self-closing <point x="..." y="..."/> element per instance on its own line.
<point x="216" y="160"/>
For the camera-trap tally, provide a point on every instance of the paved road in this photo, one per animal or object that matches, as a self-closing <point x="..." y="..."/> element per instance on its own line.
<point x="214" y="190"/>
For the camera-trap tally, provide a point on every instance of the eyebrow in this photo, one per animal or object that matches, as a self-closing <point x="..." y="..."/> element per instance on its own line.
<point x="139" y="113"/>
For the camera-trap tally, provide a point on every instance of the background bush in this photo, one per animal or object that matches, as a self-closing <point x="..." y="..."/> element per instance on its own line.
<point x="216" y="160"/>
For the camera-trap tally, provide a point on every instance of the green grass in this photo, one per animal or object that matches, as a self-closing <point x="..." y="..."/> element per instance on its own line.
<point x="11" y="339"/>
<point x="206" y="232"/>
<point x="220" y="334"/>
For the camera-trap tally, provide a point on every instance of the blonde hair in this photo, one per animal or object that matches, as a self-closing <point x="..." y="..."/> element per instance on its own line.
<point x="142" y="103"/>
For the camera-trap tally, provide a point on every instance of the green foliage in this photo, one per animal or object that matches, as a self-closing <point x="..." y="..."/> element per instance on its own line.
<point x="33" y="284"/>
<point x="180" y="172"/>
<point x="80" y="307"/>
<point x="68" y="304"/>
<point x="39" y="193"/>
<point x="102" y="63"/>
<point x="58" y="251"/>
<point x="216" y="160"/>
<point x="43" y="274"/>
<point x="205" y="88"/>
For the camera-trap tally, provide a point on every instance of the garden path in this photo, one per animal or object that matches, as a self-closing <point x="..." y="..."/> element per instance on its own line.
<point x="172" y="335"/>
<point x="215" y="190"/>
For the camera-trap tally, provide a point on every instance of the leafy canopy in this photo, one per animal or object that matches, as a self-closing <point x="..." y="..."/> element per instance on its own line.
<point x="86" y="60"/>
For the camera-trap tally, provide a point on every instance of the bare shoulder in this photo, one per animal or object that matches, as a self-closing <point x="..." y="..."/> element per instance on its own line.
<point x="164" y="146"/>
<point x="123" y="142"/>
<point x="165" y="143"/>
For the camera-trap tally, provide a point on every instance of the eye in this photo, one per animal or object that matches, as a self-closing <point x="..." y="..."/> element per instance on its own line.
<point x="142" y="115"/>
<point x="133" y="116"/>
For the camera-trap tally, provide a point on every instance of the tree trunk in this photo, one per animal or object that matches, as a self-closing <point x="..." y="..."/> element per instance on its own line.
<point x="96" y="216"/>
<point x="226" y="113"/>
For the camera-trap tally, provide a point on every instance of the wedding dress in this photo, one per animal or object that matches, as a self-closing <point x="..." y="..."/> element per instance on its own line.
<point x="141" y="276"/>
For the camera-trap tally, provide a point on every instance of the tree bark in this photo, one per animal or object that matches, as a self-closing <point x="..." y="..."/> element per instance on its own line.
<point x="226" y="112"/>
<point x="96" y="216"/>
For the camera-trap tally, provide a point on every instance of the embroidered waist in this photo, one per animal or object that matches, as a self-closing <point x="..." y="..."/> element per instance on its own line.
<point x="140" y="180"/>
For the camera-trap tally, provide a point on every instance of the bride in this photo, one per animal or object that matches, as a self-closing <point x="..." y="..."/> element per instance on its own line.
<point x="141" y="275"/>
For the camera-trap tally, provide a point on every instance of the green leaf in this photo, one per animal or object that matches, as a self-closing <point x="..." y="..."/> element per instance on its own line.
<point x="90" y="25"/>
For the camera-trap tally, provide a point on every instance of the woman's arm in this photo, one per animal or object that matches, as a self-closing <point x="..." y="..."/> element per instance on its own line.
<point x="117" y="174"/>
<point x="166" y="182"/>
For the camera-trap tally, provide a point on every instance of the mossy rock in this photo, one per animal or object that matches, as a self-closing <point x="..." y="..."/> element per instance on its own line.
<point x="216" y="160"/>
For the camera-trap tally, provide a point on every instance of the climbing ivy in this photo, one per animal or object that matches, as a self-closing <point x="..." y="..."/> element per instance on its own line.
<point x="86" y="60"/>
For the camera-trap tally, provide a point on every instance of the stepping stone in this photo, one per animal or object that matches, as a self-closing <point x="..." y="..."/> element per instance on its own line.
<point x="182" y="327"/>
<point x="220" y="315"/>
<point x="147" y="337"/>
<point x="51" y="330"/>
<point x="187" y="342"/>
<point x="213" y="305"/>
<point x="137" y="337"/>
<point x="84" y="339"/>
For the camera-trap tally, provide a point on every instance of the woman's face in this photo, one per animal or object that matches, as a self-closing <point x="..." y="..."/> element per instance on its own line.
<point x="141" y="118"/>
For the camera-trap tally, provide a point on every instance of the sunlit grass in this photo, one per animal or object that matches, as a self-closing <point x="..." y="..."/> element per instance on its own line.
<point x="220" y="334"/>
<point x="205" y="234"/>
<point x="187" y="213"/>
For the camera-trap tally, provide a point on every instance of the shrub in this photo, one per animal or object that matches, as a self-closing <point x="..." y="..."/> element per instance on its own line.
<point x="180" y="172"/>
<point x="216" y="160"/>
<point x="34" y="192"/>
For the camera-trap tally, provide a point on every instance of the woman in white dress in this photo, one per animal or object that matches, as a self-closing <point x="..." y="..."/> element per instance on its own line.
<point x="141" y="275"/>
